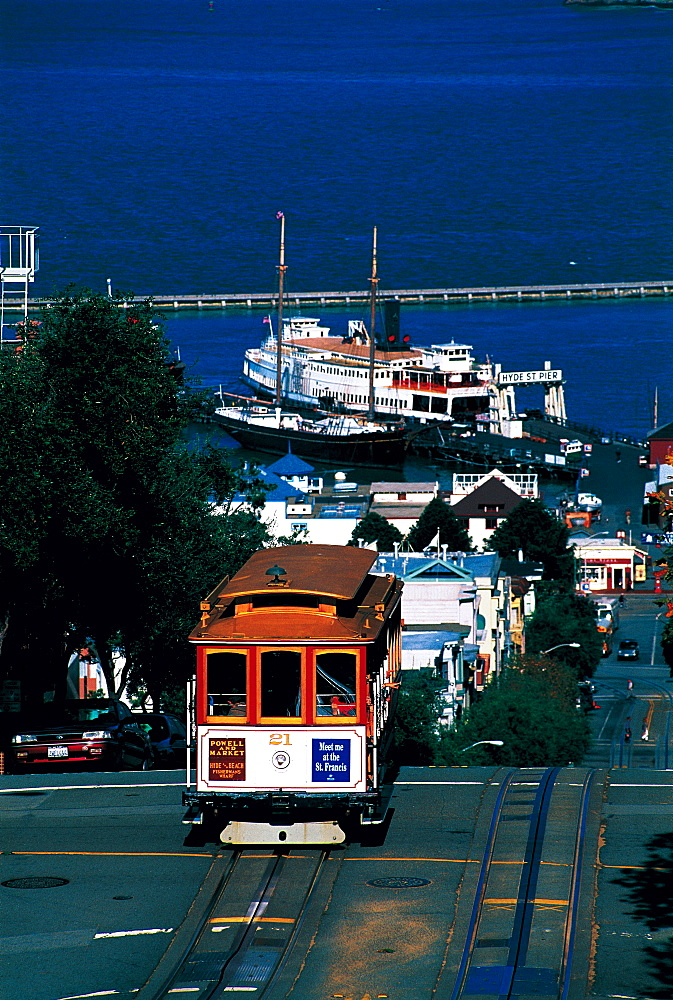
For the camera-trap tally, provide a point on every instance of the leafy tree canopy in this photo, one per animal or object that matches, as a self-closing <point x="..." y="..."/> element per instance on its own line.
<point x="541" y="537"/>
<point x="532" y="711"/>
<point x="107" y="536"/>
<point x="438" y="517"/>
<point x="416" y="726"/>
<point x="565" y="618"/>
<point x="374" y="528"/>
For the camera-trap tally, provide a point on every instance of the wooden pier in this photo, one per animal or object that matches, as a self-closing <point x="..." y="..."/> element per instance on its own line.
<point x="416" y="296"/>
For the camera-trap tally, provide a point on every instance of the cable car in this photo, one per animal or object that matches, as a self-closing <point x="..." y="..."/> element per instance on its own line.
<point x="298" y="665"/>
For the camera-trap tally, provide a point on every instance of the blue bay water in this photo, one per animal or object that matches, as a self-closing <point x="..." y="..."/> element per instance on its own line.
<point x="608" y="385"/>
<point x="498" y="142"/>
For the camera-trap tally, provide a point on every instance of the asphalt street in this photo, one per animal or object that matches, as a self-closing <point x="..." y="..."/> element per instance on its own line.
<point x="109" y="879"/>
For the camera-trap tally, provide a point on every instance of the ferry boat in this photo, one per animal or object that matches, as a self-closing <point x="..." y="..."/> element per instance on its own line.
<point x="443" y="382"/>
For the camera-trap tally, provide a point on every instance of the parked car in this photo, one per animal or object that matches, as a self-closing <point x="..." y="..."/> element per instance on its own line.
<point x="589" y="501"/>
<point x="96" y="732"/>
<point x="168" y="736"/>
<point x="628" y="650"/>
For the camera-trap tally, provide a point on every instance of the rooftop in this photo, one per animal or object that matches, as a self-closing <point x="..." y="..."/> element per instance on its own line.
<point x="329" y="570"/>
<point x="300" y="593"/>
<point x="290" y="465"/>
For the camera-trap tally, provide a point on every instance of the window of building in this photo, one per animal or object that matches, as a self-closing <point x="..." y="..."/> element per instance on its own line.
<point x="491" y="522"/>
<point x="226" y="683"/>
<point x="336" y="684"/>
<point x="280" y="684"/>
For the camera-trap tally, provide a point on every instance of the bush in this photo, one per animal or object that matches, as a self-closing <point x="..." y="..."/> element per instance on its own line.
<point x="532" y="710"/>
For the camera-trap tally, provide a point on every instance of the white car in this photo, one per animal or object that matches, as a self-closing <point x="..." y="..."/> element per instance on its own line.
<point x="588" y="501"/>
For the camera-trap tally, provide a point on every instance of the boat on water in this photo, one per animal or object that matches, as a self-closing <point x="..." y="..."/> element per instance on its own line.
<point x="356" y="438"/>
<point x="378" y="379"/>
<point x="443" y="382"/>
<point x="341" y="438"/>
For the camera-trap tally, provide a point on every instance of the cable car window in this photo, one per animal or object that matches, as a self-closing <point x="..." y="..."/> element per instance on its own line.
<point x="226" y="684"/>
<point x="281" y="684"/>
<point x="335" y="684"/>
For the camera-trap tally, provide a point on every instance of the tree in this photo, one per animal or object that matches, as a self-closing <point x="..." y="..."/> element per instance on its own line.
<point x="416" y="726"/>
<point x="374" y="528"/>
<point x="107" y="531"/>
<point x="439" y="518"/>
<point x="565" y="618"/>
<point x="532" y="710"/>
<point x="540" y="536"/>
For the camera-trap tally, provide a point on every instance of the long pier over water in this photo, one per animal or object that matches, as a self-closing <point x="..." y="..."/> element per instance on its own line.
<point x="507" y="293"/>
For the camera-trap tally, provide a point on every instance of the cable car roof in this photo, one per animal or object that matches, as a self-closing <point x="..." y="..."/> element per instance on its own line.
<point x="331" y="570"/>
<point x="342" y="600"/>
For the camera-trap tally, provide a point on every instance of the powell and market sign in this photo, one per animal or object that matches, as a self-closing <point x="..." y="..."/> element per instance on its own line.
<point x="530" y="378"/>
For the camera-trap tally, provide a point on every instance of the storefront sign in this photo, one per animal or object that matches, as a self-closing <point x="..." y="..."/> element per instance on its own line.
<point x="530" y="378"/>
<point x="226" y="759"/>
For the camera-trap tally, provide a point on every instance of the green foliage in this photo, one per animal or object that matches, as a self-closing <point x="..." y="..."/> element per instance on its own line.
<point x="565" y="618"/>
<point x="438" y="517"/>
<point x="106" y="527"/>
<point x="374" y="528"/>
<point x="416" y="727"/>
<point x="531" y="529"/>
<point x="532" y="710"/>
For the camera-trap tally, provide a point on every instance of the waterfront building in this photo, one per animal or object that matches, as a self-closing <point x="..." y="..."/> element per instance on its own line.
<point x="608" y="564"/>
<point x="485" y="508"/>
<point x="660" y="442"/>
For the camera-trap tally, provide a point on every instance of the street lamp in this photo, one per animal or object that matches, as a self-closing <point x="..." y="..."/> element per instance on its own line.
<point x="493" y="743"/>
<point x="571" y="645"/>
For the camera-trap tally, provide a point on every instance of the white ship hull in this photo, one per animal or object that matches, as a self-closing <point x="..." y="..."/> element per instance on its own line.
<point x="439" y="383"/>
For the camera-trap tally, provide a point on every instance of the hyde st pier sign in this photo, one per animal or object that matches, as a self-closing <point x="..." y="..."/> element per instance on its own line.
<point x="545" y="377"/>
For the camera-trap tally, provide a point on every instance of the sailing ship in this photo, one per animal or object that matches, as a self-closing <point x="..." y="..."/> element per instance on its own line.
<point x="352" y="438"/>
<point x="303" y="364"/>
<point x="342" y="438"/>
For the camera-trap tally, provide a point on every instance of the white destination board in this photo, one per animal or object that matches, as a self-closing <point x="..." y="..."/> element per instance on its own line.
<point x="530" y="378"/>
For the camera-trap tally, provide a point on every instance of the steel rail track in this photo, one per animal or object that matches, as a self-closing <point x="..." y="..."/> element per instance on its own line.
<point x="550" y="972"/>
<point x="226" y="952"/>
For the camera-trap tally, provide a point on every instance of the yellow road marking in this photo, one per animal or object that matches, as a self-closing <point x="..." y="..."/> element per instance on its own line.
<point x="112" y="854"/>
<point x="461" y="861"/>
<point x="252" y="920"/>
<point x="538" y="902"/>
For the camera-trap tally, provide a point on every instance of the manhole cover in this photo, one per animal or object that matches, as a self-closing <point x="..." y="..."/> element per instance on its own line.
<point x="400" y="882"/>
<point x="37" y="882"/>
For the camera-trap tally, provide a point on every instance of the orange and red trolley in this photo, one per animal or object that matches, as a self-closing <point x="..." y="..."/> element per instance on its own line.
<point x="298" y="664"/>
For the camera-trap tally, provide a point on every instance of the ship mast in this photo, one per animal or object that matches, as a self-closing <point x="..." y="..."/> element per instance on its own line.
<point x="655" y="409"/>
<point x="279" y="330"/>
<point x="372" y="328"/>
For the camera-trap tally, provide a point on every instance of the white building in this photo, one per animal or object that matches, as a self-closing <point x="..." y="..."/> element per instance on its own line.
<point x="465" y="593"/>
<point x="608" y="564"/>
<point x="402" y="503"/>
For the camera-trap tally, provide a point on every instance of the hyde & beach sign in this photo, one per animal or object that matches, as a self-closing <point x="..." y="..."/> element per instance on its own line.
<point x="226" y="759"/>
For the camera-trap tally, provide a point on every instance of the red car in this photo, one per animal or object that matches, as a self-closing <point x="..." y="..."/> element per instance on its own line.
<point x="98" y="732"/>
